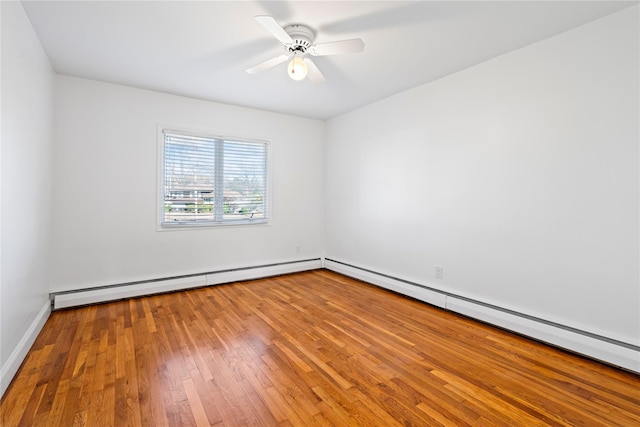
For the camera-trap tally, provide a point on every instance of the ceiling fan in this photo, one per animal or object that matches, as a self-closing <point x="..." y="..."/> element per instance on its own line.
<point x="297" y="41"/>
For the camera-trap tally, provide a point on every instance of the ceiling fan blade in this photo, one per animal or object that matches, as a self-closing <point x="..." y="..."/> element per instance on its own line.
<point x="271" y="25"/>
<point x="267" y="64"/>
<point x="313" y="73"/>
<point x="334" y="48"/>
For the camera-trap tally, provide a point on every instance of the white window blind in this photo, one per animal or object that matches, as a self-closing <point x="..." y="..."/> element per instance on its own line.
<point x="211" y="181"/>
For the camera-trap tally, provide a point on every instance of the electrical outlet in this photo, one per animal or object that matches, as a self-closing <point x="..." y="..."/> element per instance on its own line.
<point x="439" y="271"/>
<point x="297" y="249"/>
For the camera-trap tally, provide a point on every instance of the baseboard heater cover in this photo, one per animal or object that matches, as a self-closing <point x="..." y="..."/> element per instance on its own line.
<point x="611" y="351"/>
<point x="388" y="282"/>
<point x="94" y="295"/>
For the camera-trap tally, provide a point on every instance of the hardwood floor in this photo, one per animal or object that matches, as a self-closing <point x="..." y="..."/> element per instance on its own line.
<point x="308" y="349"/>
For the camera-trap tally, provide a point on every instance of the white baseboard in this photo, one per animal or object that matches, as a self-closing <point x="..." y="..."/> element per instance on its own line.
<point x="607" y="350"/>
<point x="11" y="366"/>
<point x="149" y="287"/>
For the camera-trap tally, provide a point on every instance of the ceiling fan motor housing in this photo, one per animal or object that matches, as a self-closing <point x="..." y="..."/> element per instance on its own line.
<point x="302" y="39"/>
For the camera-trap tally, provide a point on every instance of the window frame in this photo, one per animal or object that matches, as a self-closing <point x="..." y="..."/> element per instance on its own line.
<point x="162" y="225"/>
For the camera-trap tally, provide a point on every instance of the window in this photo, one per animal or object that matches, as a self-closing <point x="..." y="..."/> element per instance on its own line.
<point x="212" y="180"/>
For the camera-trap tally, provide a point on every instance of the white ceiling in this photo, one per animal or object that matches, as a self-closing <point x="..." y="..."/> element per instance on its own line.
<point x="200" y="49"/>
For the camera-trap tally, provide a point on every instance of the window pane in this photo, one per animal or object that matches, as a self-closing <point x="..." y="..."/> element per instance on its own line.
<point x="245" y="173"/>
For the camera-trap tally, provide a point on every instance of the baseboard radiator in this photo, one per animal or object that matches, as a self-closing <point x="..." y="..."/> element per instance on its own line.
<point x="94" y="295"/>
<point x="611" y="351"/>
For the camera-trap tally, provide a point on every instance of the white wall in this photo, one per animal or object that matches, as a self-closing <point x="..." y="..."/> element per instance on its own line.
<point x="106" y="187"/>
<point x="26" y="171"/>
<point x="519" y="176"/>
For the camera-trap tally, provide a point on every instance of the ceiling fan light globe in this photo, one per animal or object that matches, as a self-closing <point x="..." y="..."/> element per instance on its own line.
<point x="297" y="69"/>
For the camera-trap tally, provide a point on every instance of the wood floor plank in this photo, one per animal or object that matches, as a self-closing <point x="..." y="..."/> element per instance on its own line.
<point x="307" y="349"/>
